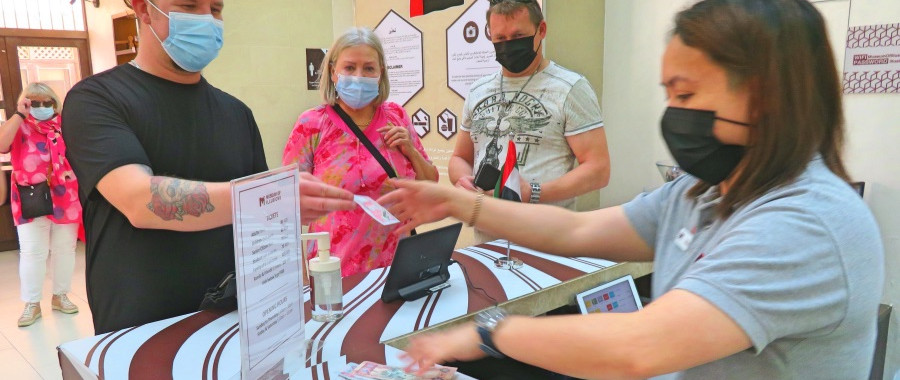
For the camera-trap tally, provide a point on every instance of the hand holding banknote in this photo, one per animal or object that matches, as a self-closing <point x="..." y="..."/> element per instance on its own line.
<point x="458" y="344"/>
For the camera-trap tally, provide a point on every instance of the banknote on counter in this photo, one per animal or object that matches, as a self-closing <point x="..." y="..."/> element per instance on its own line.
<point x="370" y="370"/>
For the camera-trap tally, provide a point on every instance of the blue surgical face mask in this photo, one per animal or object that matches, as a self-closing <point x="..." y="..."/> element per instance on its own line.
<point x="42" y="113"/>
<point x="193" y="41"/>
<point x="357" y="92"/>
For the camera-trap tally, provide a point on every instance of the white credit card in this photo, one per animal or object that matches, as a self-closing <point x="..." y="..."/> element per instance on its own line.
<point x="380" y="214"/>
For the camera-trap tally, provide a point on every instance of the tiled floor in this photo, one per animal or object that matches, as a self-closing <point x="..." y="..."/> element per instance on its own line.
<point x="28" y="353"/>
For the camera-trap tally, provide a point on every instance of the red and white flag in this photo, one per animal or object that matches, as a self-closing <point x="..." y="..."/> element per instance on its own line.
<point x="423" y="7"/>
<point x="508" y="186"/>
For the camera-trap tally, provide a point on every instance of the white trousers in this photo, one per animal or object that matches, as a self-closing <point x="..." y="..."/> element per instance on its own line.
<point x="38" y="239"/>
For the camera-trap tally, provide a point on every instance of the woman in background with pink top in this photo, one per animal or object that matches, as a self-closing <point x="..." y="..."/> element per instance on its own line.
<point x="33" y="138"/>
<point x="354" y="81"/>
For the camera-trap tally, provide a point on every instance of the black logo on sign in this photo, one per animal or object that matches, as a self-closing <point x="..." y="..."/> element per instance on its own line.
<point x="421" y="122"/>
<point x="470" y="32"/>
<point x="447" y="124"/>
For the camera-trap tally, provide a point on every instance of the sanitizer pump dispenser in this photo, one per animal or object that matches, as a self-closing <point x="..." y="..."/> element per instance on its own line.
<point x="325" y="272"/>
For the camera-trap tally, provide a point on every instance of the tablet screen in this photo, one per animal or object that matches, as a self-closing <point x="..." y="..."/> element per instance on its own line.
<point x="617" y="296"/>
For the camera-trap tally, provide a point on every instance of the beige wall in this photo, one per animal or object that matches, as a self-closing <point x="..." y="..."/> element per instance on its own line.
<point x="100" y="33"/>
<point x="264" y="58"/>
<point x="634" y="42"/>
<point x="575" y="41"/>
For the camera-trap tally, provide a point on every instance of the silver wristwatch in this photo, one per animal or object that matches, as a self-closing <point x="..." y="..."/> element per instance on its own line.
<point x="535" y="193"/>
<point x="486" y="322"/>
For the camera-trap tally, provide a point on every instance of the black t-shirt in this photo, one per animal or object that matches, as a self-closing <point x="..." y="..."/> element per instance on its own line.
<point x="197" y="132"/>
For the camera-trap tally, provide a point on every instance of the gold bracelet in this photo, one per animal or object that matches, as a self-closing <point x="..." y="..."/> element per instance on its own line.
<point x="477" y="209"/>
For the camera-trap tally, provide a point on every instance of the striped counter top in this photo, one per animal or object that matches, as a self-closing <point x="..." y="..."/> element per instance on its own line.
<point x="205" y="345"/>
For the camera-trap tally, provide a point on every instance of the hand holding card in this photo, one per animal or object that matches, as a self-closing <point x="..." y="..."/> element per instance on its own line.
<point x="380" y="214"/>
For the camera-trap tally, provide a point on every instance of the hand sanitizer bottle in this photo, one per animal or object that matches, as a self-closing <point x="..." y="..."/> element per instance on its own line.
<point x="325" y="273"/>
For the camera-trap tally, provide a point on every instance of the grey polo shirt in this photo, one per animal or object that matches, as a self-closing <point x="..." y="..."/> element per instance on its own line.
<point x="800" y="270"/>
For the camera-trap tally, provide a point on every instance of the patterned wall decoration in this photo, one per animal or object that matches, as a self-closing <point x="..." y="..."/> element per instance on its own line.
<point x="46" y="52"/>
<point x="872" y="60"/>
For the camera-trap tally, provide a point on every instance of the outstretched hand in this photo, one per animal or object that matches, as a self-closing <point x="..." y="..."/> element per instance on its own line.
<point x="418" y="202"/>
<point x="318" y="198"/>
<point x="458" y="344"/>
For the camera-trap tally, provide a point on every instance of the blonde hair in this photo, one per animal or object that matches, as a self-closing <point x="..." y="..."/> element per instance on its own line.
<point x="352" y="37"/>
<point x="36" y="89"/>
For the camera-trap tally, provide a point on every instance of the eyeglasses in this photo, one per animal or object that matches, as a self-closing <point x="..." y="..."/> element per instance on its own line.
<point x="38" y="103"/>
<point x="495" y="2"/>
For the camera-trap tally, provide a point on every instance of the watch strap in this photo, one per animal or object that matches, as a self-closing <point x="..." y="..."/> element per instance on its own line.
<point x="535" y="193"/>
<point x="22" y="115"/>
<point x="487" y="343"/>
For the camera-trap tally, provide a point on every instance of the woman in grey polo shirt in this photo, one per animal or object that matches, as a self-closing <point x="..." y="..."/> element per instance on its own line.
<point x="767" y="263"/>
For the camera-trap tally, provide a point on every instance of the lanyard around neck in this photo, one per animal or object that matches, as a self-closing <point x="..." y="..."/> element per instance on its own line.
<point x="508" y="103"/>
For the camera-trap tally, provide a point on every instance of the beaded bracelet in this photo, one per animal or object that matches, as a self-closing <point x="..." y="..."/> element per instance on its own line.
<point x="477" y="209"/>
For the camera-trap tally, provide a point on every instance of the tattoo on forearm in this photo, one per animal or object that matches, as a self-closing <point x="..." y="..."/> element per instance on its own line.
<point x="173" y="197"/>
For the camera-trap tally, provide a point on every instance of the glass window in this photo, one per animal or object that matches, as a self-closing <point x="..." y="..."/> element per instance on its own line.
<point x="42" y="14"/>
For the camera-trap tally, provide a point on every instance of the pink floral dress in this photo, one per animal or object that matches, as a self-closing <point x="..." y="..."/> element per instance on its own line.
<point x="323" y="145"/>
<point x="38" y="149"/>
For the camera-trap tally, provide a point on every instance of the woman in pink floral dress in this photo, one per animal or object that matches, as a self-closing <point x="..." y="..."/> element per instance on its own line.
<point x="33" y="138"/>
<point x="354" y="78"/>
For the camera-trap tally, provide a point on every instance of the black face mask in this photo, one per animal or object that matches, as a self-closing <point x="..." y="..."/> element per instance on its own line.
<point x="515" y="55"/>
<point x="689" y="136"/>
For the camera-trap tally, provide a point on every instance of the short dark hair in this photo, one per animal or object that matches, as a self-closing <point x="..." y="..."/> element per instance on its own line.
<point x="509" y="8"/>
<point x="780" y="50"/>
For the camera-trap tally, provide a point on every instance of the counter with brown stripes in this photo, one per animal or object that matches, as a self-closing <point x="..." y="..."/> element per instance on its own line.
<point x="205" y="345"/>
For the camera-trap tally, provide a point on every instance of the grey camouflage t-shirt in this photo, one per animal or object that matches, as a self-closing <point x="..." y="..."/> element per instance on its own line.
<point x="555" y="104"/>
<point x="800" y="270"/>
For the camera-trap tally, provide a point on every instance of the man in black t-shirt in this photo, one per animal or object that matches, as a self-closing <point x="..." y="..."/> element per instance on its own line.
<point x="154" y="145"/>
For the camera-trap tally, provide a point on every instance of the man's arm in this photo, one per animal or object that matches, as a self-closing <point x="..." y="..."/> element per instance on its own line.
<point x="592" y="172"/>
<point x="460" y="166"/>
<point x="167" y="203"/>
<point x="156" y="202"/>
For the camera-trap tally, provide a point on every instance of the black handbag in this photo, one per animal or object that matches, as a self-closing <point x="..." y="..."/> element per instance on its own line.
<point x="365" y="140"/>
<point x="35" y="200"/>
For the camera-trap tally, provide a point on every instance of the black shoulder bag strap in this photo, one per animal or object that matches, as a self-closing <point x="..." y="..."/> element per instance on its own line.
<point x="365" y="140"/>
